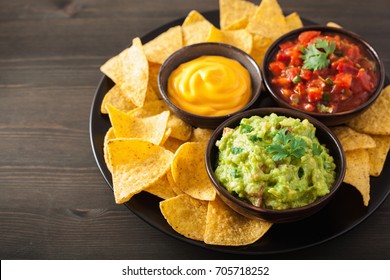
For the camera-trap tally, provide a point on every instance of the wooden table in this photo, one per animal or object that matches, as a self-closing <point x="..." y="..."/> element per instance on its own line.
<point x="54" y="203"/>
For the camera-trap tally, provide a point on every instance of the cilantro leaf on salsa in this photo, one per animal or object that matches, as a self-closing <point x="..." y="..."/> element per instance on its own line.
<point x="316" y="55"/>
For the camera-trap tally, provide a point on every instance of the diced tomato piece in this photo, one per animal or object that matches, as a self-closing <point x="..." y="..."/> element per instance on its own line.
<point x="281" y="81"/>
<point x="365" y="80"/>
<point x="314" y="94"/>
<point x="347" y="68"/>
<point x="306" y="37"/>
<point x="294" y="98"/>
<point x="282" y="56"/>
<point x="353" y="52"/>
<point x="277" y="67"/>
<point x="296" y="59"/>
<point x="343" y="80"/>
<point x="306" y="74"/>
<point x="286" y="92"/>
<point x="286" y="45"/>
<point x="292" y="72"/>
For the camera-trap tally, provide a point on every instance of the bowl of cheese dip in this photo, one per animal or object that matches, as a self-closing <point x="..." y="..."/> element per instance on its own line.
<point x="206" y="83"/>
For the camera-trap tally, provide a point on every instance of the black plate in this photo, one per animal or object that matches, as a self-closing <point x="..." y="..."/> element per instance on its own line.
<point x="343" y="213"/>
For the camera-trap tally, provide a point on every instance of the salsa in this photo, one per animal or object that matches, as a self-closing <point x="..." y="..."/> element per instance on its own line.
<point x="274" y="162"/>
<point x="210" y="86"/>
<point x="324" y="73"/>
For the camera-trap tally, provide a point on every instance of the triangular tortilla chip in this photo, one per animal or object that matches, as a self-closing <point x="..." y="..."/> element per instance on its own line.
<point x="232" y="11"/>
<point x="378" y="154"/>
<point x="136" y="165"/>
<point x="353" y="140"/>
<point x="158" y="50"/>
<point x="226" y="227"/>
<point x="358" y="172"/>
<point x="189" y="171"/>
<point x="186" y="215"/>
<point x="376" y="120"/>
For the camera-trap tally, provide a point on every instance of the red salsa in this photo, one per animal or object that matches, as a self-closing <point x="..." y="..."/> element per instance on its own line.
<point x="323" y="73"/>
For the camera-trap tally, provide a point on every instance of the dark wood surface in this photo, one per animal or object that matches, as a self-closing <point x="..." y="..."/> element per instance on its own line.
<point x="54" y="203"/>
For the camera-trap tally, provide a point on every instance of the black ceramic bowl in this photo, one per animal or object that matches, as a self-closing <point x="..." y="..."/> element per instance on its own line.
<point x="324" y="135"/>
<point x="330" y="119"/>
<point x="194" y="51"/>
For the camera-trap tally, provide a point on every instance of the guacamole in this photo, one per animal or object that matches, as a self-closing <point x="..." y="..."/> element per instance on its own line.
<point x="274" y="162"/>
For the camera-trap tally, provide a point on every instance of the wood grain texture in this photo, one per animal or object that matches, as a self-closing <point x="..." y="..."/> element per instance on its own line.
<point x="54" y="203"/>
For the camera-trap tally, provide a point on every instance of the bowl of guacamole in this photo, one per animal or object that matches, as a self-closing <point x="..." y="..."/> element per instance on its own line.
<point x="275" y="164"/>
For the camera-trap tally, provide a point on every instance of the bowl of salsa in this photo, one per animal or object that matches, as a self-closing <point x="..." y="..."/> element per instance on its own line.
<point x="326" y="72"/>
<point x="206" y="83"/>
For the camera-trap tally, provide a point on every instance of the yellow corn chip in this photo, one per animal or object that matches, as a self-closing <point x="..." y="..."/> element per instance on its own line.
<point x="112" y="68"/>
<point x="164" y="45"/>
<point x="153" y="77"/>
<point x="358" y="172"/>
<point x="136" y="165"/>
<point x="189" y="171"/>
<point x="293" y="21"/>
<point x="333" y="24"/>
<point x="193" y="17"/>
<point x="376" y="120"/>
<point x="174" y="187"/>
<point x="239" y="24"/>
<point x="232" y="11"/>
<point x="161" y="188"/>
<point x="353" y="140"/>
<point x="226" y="227"/>
<point x="179" y="129"/>
<point x="116" y="98"/>
<point x="151" y="129"/>
<point x="269" y="20"/>
<point x="135" y="69"/>
<point x="378" y="154"/>
<point x="185" y="215"/>
<point x="200" y="135"/>
<point x="241" y="39"/>
<point x="109" y="135"/>
<point x="260" y="46"/>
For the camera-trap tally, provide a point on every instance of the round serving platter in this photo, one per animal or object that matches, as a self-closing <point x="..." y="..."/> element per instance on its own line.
<point x="344" y="212"/>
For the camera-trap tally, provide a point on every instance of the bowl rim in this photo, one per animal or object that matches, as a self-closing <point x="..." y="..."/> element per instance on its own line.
<point x="279" y="111"/>
<point x="328" y="29"/>
<point x="252" y="101"/>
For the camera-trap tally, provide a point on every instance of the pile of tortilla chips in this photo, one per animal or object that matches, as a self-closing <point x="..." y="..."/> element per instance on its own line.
<point x="150" y="149"/>
<point x="366" y="142"/>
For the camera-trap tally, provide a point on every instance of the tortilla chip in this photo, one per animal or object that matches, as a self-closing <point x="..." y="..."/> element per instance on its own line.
<point x="241" y="39"/>
<point x="353" y="140"/>
<point x="226" y="227"/>
<point x="200" y="135"/>
<point x="239" y="24"/>
<point x="164" y="45"/>
<point x="193" y="17"/>
<point x="112" y="68"/>
<point x="151" y="129"/>
<point x="269" y="20"/>
<point x="260" y="46"/>
<point x="161" y="188"/>
<point x="189" y="171"/>
<point x="171" y="181"/>
<point x="135" y="69"/>
<point x="196" y="29"/>
<point x="376" y="120"/>
<point x="136" y="165"/>
<point x="333" y="24"/>
<point x="215" y="35"/>
<point x="116" y="98"/>
<point x="186" y="215"/>
<point x="154" y="68"/>
<point x="179" y="129"/>
<point x="293" y="21"/>
<point x="232" y="11"/>
<point x="378" y="154"/>
<point x="110" y="134"/>
<point x="358" y="172"/>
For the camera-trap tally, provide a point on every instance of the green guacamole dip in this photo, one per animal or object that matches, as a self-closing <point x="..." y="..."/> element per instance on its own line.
<point x="274" y="162"/>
